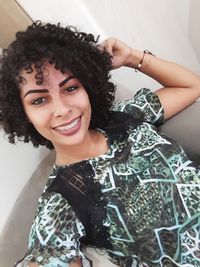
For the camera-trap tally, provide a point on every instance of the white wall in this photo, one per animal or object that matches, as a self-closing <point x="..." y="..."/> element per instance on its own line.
<point x="189" y="19"/>
<point x="182" y="9"/>
<point x="155" y="25"/>
<point x="193" y="26"/>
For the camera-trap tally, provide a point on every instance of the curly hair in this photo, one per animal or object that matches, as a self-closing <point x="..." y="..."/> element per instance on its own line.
<point x="67" y="48"/>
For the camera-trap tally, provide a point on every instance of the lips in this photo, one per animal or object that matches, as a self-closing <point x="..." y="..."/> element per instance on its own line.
<point x="69" y="128"/>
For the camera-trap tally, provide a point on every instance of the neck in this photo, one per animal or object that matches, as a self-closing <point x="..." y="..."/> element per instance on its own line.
<point x="94" y="145"/>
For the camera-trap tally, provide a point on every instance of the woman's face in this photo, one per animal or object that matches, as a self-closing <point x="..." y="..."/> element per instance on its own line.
<point x="59" y="108"/>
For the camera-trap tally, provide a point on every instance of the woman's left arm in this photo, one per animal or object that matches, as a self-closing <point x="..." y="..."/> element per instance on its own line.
<point x="181" y="87"/>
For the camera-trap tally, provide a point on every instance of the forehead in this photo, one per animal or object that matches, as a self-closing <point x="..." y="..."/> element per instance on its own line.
<point x="47" y="75"/>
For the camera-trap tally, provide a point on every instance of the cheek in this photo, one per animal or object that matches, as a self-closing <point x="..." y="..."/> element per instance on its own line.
<point x="84" y="102"/>
<point x="38" y="119"/>
<point x="88" y="109"/>
<point x="87" y="100"/>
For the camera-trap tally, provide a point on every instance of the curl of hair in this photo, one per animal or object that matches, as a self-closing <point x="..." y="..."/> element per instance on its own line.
<point x="67" y="49"/>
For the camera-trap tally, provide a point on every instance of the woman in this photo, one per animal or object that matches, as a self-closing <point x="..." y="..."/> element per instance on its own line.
<point x="117" y="183"/>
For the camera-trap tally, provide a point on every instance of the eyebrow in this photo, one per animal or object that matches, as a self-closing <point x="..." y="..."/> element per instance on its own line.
<point x="36" y="91"/>
<point x="66" y="80"/>
<point x="45" y="90"/>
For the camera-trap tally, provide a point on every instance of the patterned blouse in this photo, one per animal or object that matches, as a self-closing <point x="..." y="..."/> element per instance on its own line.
<point x="140" y="201"/>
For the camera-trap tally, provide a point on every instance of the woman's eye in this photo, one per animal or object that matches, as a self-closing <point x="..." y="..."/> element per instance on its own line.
<point x="71" y="89"/>
<point x="38" y="101"/>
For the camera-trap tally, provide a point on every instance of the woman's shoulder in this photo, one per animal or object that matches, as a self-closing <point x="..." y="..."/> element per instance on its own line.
<point x="145" y="105"/>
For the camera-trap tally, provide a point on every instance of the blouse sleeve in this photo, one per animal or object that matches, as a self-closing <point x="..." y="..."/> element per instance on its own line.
<point x="55" y="234"/>
<point x="146" y="102"/>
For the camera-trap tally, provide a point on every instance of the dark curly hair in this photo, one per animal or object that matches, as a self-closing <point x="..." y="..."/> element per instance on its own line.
<point x="67" y="48"/>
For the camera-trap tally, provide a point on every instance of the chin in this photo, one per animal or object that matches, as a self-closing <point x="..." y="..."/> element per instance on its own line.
<point x="70" y="140"/>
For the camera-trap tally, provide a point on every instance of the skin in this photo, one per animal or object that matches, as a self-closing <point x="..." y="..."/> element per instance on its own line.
<point x="59" y="101"/>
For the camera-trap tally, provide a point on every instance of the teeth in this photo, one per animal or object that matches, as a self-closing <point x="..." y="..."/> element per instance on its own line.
<point x="69" y="126"/>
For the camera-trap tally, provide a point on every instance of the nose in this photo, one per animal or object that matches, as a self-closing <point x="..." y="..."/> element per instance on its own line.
<point x="61" y="108"/>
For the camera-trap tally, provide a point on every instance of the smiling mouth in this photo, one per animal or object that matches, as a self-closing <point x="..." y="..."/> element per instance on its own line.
<point x="69" y="126"/>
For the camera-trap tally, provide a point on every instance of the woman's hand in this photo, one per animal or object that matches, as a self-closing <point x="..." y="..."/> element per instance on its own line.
<point x="122" y="54"/>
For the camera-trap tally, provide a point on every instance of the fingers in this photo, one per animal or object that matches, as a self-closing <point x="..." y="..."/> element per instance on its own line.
<point x="109" y="45"/>
<point x="118" y="50"/>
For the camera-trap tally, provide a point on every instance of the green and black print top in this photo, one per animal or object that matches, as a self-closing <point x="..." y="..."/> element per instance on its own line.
<point x="140" y="201"/>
